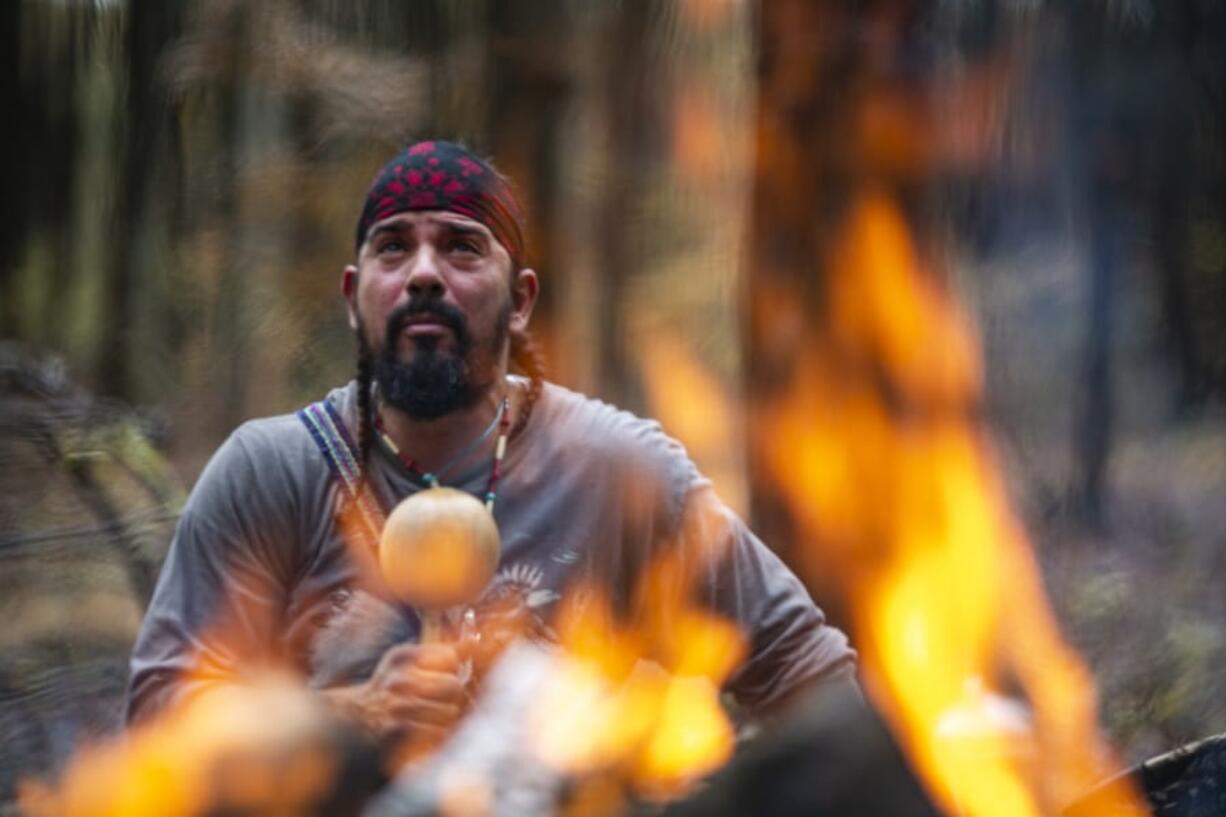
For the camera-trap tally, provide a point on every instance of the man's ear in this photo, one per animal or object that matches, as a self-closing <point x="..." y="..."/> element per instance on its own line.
<point x="524" y="289"/>
<point x="349" y="288"/>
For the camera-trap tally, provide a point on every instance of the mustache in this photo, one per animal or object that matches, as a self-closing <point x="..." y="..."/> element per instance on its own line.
<point x="443" y="312"/>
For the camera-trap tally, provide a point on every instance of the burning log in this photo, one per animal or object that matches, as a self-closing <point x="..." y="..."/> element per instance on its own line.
<point x="834" y="755"/>
<point x="831" y="754"/>
<point x="1188" y="782"/>
<point x="487" y="767"/>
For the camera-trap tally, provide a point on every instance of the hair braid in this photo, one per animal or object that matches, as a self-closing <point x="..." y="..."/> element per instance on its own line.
<point x="527" y="357"/>
<point x="366" y="376"/>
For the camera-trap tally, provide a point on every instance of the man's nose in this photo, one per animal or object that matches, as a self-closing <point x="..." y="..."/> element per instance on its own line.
<point x="425" y="278"/>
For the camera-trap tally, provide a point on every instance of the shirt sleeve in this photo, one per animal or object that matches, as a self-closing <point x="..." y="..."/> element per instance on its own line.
<point x="217" y="608"/>
<point x="791" y="647"/>
<point x="727" y="570"/>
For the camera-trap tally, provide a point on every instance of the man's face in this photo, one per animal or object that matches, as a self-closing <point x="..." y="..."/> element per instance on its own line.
<point x="433" y="299"/>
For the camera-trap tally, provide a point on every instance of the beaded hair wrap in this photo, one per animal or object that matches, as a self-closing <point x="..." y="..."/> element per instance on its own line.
<point x="437" y="175"/>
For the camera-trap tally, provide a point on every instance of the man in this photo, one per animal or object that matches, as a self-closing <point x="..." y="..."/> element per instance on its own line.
<point x="274" y="544"/>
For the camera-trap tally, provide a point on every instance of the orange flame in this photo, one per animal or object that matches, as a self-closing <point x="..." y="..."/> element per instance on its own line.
<point x="638" y="699"/>
<point x="257" y="748"/>
<point x="248" y="739"/>
<point x="874" y="445"/>
<point x="696" y="409"/>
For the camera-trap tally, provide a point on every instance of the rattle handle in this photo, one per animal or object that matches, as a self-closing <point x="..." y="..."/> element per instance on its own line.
<point x="431" y="627"/>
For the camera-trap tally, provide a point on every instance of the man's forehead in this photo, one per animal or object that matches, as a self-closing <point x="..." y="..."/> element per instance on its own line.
<point x="444" y="218"/>
<point x="427" y="220"/>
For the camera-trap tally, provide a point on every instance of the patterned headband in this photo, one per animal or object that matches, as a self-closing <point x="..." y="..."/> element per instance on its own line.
<point x="437" y="175"/>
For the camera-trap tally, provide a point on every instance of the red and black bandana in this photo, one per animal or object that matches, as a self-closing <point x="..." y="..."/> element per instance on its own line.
<point x="436" y="175"/>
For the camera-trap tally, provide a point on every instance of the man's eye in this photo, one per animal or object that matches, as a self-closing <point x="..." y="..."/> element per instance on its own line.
<point x="465" y="245"/>
<point x="390" y="247"/>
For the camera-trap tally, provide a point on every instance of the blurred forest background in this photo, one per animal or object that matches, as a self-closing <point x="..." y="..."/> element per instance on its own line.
<point x="182" y="178"/>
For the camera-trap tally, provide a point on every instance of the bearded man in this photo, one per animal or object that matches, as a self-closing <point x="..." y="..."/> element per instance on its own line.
<point x="271" y="559"/>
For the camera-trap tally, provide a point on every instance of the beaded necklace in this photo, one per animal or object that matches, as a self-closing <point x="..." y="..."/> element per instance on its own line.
<point x="501" y="421"/>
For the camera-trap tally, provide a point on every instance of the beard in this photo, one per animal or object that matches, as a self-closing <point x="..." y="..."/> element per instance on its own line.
<point x="435" y="381"/>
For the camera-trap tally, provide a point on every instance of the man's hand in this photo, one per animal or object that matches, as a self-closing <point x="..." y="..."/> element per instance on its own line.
<point x="413" y="698"/>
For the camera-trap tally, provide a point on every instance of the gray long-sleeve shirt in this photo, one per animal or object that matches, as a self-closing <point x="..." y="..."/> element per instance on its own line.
<point x="258" y="566"/>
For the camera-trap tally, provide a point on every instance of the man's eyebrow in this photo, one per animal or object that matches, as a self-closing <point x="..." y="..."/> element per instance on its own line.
<point x="380" y="229"/>
<point x="465" y="230"/>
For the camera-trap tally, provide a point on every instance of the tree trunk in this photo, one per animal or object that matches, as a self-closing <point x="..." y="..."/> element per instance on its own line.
<point x="1096" y="420"/>
<point x="12" y="163"/>
<point x="1109" y="161"/>
<point x="806" y="93"/>
<point x="150" y="26"/>
<point x="632" y="91"/>
<point x="529" y="90"/>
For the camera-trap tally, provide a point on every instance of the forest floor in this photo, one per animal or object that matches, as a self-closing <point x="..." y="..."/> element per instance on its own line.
<point x="1142" y="598"/>
<point x="1137" y="594"/>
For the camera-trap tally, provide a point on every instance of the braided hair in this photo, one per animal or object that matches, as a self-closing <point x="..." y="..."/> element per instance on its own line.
<point x="529" y="360"/>
<point x="366" y="379"/>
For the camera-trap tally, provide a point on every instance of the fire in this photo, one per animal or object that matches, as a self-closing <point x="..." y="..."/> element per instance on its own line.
<point x="698" y="147"/>
<point x="875" y="445"/>
<point x="257" y="743"/>
<point x="696" y="409"/>
<point x="640" y="701"/>
<point x="263" y="747"/>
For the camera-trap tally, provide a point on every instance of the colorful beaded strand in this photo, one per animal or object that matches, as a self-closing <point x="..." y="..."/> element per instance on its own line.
<point x="503" y="421"/>
<point x="500" y="451"/>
